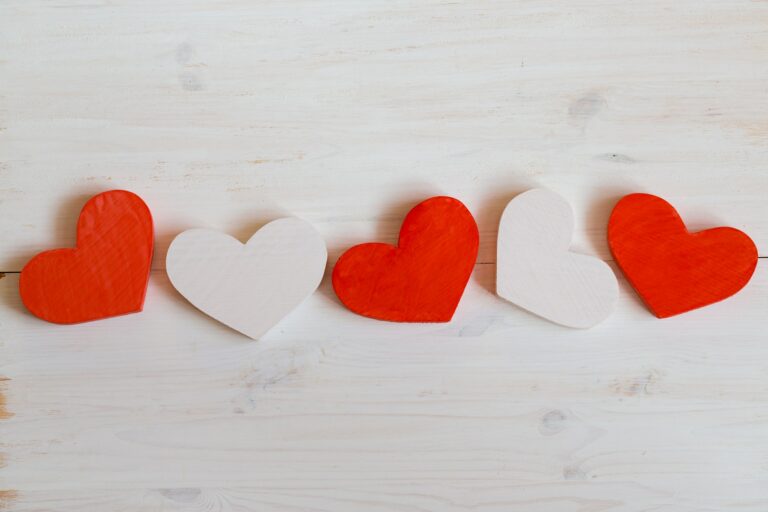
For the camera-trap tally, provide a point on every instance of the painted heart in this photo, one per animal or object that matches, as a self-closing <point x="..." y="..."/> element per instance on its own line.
<point x="536" y="271"/>
<point x="423" y="278"/>
<point x="248" y="287"/>
<point x="672" y="270"/>
<point x="105" y="275"/>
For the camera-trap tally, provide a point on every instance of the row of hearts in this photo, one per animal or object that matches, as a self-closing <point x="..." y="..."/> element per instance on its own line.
<point x="421" y="279"/>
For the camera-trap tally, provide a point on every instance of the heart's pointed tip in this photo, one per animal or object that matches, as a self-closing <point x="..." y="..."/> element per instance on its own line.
<point x="249" y="336"/>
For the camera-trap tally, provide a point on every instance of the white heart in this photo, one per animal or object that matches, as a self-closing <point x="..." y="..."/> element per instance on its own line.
<point x="249" y="287"/>
<point x="536" y="271"/>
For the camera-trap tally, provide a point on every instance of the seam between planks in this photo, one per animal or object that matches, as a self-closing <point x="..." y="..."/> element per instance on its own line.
<point x="162" y="269"/>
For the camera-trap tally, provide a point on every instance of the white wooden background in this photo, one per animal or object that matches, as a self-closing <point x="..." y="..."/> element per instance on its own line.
<point x="346" y="113"/>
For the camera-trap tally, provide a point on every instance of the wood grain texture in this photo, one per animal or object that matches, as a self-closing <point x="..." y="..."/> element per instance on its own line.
<point x="249" y="287"/>
<point x="226" y="115"/>
<point x="537" y="271"/>
<point x="4" y="413"/>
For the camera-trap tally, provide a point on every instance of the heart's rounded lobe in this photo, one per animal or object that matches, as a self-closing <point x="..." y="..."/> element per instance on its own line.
<point x="672" y="270"/>
<point x="423" y="278"/>
<point x="105" y="275"/>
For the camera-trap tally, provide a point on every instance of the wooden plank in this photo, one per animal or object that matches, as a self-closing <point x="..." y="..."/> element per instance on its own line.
<point x="347" y="114"/>
<point x="497" y="410"/>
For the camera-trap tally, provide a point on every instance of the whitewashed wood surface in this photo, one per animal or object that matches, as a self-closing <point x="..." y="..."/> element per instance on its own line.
<point x="229" y="114"/>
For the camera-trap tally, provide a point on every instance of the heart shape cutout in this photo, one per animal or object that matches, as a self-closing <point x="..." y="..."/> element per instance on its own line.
<point x="536" y="270"/>
<point x="249" y="287"/>
<point x="105" y="275"/>
<point x="421" y="279"/>
<point x="673" y="270"/>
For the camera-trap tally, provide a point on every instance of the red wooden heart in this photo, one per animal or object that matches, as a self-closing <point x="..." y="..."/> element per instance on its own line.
<point x="420" y="280"/>
<point x="672" y="270"/>
<point x="106" y="275"/>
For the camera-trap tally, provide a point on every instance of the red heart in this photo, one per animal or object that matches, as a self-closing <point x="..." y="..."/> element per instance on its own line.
<point x="420" y="280"/>
<point x="672" y="270"/>
<point x="106" y="275"/>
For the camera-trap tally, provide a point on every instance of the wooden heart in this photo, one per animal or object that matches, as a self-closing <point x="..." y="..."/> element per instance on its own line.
<point x="105" y="275"/>
<point x="248" y="287"/>
<point x="536" y="271"/>
<point x="420" y="280"/>
<point x="672" y="270"/>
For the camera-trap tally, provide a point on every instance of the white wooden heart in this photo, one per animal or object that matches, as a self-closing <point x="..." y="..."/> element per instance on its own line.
<point x="536" y="271"/>
<point x="249" y="287"/>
